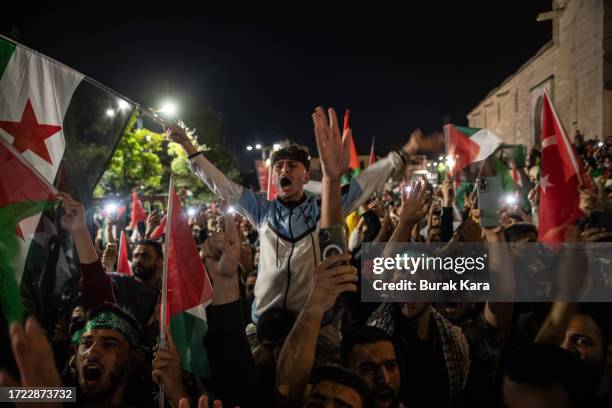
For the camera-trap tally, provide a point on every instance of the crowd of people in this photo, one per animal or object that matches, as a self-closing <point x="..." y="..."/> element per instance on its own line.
<point x="287" y="328"/>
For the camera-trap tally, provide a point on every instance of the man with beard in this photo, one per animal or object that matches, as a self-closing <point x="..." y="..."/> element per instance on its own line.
<point x="138" y="293"/>
<point x="109" y="363"/>
<point x="369" y="353"/>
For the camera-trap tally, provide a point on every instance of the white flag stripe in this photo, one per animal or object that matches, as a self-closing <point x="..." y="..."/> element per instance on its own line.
<point x="488" y="142"/>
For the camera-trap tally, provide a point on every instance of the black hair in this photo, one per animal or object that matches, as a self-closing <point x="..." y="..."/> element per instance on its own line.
<point x="252" y="273"/>
<point x="156" y="246"/>
<point x="292" y="152"/>
<point x="360" y="335"/>
<point x="275" y="324"/>
<point x="601" y="313"/>
<point x="519" y="230"/>
<point x="340" y="375"/>
<point x="545" y="366"/>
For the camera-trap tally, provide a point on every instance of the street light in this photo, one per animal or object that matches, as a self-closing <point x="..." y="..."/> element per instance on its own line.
<point x="168" y="108"/>
<point x="123" y="105"/>
<point x="249" y="148"/>
<point x="110" y="113"/>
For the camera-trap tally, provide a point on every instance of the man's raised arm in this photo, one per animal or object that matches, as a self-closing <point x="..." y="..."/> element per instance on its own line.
<point x="374" y="177"/>
<point x="248" y="202"/>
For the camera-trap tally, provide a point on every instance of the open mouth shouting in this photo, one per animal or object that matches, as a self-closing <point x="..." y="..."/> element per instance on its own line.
<point x="92" y="373"/>
<point x="285" y="183"/>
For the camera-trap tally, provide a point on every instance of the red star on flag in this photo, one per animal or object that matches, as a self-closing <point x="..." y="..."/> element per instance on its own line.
<point x="29" y="134"/>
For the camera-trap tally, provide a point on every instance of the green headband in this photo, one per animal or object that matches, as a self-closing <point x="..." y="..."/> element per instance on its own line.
<point x="111" y="321"/>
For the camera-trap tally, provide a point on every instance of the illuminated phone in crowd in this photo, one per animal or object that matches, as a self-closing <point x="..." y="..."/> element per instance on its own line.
<point x="490" y="196"/>
<point x="332" y="241"/>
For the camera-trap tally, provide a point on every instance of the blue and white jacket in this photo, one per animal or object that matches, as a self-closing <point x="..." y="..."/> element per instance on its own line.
<point x="288" y="231"/>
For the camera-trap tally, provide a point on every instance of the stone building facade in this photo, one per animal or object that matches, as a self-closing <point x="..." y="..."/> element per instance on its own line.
<point x="576" y="69"/>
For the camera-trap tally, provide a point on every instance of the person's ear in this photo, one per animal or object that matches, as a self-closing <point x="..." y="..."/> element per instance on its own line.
<point x="307" y="176"/>
<point x="160" y="262"/>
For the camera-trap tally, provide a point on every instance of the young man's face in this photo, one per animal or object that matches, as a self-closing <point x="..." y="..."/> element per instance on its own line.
<point x="584" y="337"/>
<point x="145" y="261"/>
<point x="289" y="177"/>
<point x="102" y="362"/>
<point x="376" y="364"/>
<point x="330" y="394"/>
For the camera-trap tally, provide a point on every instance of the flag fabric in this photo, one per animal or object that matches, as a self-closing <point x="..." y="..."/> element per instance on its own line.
<point x="468" y="145"/>
<point x="160" y="229"/>
<point x="138" y="212"/>
<point x="271" y="195"/>
<point x="23" y="193"/>
<point x="353" y="156"/>
<point x="372" y="155"/>
<point x="123" y="263"/>
<point x="56" y="119"/>
<point x="188" y="291"/>
<point x="561" y="174"/>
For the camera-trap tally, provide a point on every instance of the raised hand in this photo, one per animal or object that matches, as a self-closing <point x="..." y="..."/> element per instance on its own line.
<point x="415" y="203"/>
<point x="73" y="219"/>
<point x="167" y="370"/>
<point x="178" y="135"/>
<point x="153" y="221"/>
<point x="333" y="150"/>
<point x="203" y="402"/>
<point x="331" y="279"/>
<point x="418" y="143"/>
<point x="448" y="193"/>
<point x="34" y="357"/>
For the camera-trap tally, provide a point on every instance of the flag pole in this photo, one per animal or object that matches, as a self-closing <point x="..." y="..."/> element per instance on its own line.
<point x="164" y="294"/>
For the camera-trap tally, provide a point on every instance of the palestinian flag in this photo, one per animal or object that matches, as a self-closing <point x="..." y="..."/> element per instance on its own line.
<point x="187" y="290"/>
<point x="372" y="155"/>
<point x="353" y="156"/>
<point x="138" y="212"/>
<point x="123" y="263"/>
<point x="23" y="193"/>
<point x="468" y="145"/>
<point x="160" y="229"/>
<point x="65" y="126"/>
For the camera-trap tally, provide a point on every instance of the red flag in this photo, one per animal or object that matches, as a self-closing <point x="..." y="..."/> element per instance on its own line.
<point x="123" y="264"/>
<point x="353" y="158"/>
<point x="561" y="175"/>
<point x="262" y="174"/>
<point x="138" y="213"/>
<point x="271" y="187"/>
<point x="188" y="282"/>
<point x="160" y="229"/>
<point x="372" y="154"/>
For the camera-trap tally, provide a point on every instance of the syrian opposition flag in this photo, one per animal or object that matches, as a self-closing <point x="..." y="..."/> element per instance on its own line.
<point x="562" y="173"/>
<point x="65" y="126"/>
<point x="468" y="145"/>
<point x="186" y="290"/>
<point x="123" y="263"/>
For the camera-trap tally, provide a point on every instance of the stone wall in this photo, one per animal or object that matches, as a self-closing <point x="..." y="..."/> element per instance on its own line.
<point x="570" y="67"/>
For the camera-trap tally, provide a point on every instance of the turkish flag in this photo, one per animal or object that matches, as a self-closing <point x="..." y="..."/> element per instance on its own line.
<point x="561" y="174"/>
<point x="123" y="264"/>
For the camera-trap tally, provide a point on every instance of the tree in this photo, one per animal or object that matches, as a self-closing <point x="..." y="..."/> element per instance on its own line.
<point x="135" y="164"/>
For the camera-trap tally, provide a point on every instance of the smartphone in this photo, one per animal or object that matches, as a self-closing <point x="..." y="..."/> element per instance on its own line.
<point x="332" y="241"/>
<point x="490" y="197"/>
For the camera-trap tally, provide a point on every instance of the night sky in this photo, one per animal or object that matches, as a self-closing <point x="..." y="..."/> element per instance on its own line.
<point x="265" y="69"/>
